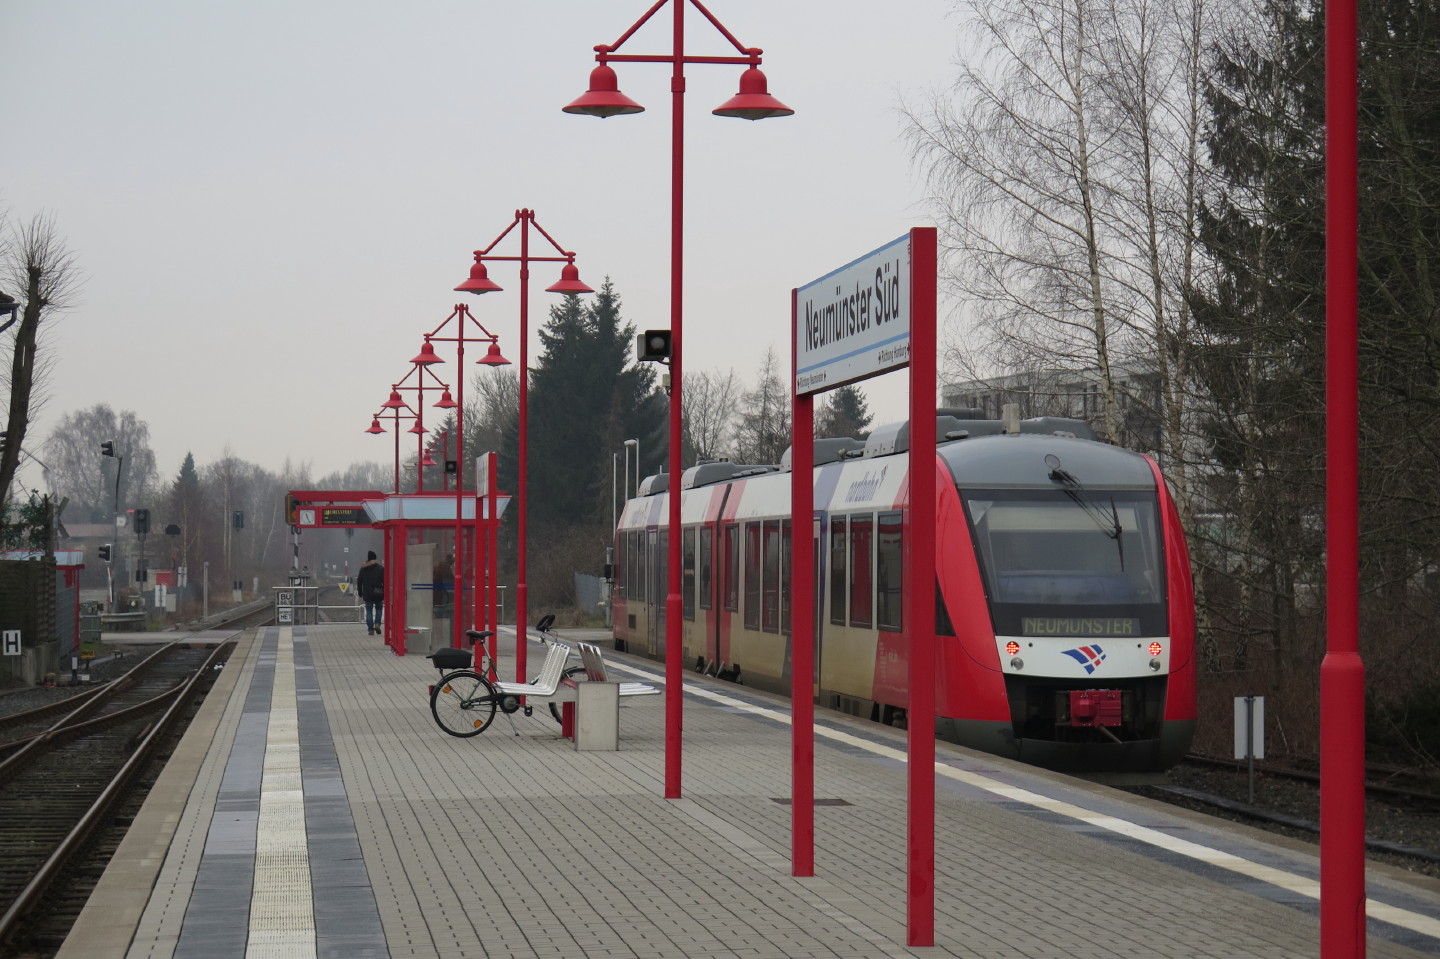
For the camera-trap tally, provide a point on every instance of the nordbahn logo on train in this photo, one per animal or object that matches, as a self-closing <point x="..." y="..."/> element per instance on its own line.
<point x="1088" y="656"/>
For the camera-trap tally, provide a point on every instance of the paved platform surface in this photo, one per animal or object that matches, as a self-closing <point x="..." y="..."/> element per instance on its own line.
<point x="316" y="810"/>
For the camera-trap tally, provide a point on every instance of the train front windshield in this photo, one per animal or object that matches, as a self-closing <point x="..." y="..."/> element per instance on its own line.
<point x="1070" y="563"/>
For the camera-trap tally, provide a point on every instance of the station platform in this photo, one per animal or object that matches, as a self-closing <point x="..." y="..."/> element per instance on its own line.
<point x="315" y="809"/>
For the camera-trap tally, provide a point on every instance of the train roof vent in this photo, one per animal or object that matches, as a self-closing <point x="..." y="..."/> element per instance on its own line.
<point x="707" y="474"/>
<point x="653" y="485"/>
<point x="1058" y="426"/>
<point x="895" y="437"/>
<point x="830" y="449"/>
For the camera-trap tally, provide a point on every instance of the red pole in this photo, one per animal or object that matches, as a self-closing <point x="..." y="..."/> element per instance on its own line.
<point x="674" y="674"/>
<point x="460" y="480"/>
<point x="920" y="591"/>
<point x="522" y="599"/>
<point x="802" y="620"/>
<point x="1342" y="675"/>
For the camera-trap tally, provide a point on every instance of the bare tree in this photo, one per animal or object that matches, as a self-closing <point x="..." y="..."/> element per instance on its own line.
<point x="709" y="413"/>
<point x="1064" y="173"/>
<point x="35" y="264"/>
<point x="762" y="431"/>
<point x="89" y="479"/>
<point x="493" y="411"/>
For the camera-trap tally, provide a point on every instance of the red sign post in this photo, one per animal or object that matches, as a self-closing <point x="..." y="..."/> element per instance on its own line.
<point x="872" y="315"/>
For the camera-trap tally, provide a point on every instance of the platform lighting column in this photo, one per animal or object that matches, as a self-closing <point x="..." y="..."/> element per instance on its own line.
<point x="1342" y="674"/>
<point x="462" y="317"/>
<point x="753" y="102"/>
<point x="479" y="283"/>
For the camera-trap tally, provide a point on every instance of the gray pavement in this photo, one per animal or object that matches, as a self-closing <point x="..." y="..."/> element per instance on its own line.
<point x="506" y="845"/>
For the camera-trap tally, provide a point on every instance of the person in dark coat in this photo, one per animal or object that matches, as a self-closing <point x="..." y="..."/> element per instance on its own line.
<point x="370" y="584"/>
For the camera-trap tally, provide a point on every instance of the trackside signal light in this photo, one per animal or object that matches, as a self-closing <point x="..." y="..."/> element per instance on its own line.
<point x="107" y="448"/>
<point x="104" y="552"/>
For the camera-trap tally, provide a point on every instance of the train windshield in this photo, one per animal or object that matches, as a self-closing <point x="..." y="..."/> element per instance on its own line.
<point x="1084" y="561"/>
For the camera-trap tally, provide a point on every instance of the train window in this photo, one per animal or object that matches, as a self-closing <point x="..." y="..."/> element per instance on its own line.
<point x="862" y="586"/>
<point x="839" y="578"/>
<point x="1096" y="549"/>
<point x="752" y="575"/>
<point x="889" y="578"/>
<point x="770" y="577"/>
<point x="707" y="566"/>
<point x="637" y="566"/>
<point x="732" y="567"/>
<point x="785" y="544"/>
<point x="622" y="562"/>
<point x="687" y="573"/>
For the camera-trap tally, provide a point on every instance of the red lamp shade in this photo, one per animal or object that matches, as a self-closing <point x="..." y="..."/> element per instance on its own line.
<point x="447" y="402"/>
<point x="426" y="356"/>
<point x="604" y="98"/>
<point x="492" y="357"/>
<point x="427" y="461"/>
<point x="375" y="426"/>
<point x="569" y="281"/>
<point x="417" y="429"/>
<point x="754" y="101"/>
<point x="479" y="281"/>
<point x="394" y="402"/>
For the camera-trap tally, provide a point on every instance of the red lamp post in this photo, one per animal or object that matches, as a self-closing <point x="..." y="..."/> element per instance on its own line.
<point x="419" y="371"/>
<point x="464" y="320"/>
<point x="394" y="404"/>
<point x="480" y="282"/>
<point x="753" y="102"/>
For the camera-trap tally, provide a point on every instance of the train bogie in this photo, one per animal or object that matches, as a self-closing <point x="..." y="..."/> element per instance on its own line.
<point x="1064" y="612"/>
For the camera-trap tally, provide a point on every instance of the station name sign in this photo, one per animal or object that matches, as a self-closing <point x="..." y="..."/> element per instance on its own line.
<point x="854" y="322"/>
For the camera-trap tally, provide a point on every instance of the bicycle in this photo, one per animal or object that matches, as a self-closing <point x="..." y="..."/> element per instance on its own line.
<point x="464" y="701"/>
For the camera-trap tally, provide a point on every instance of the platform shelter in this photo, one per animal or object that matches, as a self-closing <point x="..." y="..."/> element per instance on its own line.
<point x="424" y="599"/>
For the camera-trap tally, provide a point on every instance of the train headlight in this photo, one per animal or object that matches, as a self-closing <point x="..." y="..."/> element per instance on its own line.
<point x="1012" y="647"/>
<point x="1154" y="665"/>
<point x="1017" y="663"/>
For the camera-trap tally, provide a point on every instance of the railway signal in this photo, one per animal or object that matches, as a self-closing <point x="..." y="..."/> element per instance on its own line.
<point x="107" y="448"/>
<point x="104" y="552"/>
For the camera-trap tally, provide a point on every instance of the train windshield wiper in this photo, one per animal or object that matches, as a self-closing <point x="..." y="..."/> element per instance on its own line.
<point x="1109" y="523"/>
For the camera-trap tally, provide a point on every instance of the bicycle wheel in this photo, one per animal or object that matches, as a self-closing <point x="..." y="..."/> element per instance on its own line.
<point x="463" y="703"/>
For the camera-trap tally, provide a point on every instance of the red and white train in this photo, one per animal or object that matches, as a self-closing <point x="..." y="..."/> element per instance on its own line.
<point x="1064" y="608"/>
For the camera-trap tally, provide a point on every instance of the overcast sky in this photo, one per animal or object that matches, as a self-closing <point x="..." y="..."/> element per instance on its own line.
<point x="271" y="201"/>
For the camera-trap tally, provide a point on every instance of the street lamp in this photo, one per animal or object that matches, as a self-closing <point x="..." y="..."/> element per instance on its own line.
<point x="394" y="405"/>
<point x="635" y="443"/>
<point x="462" y="335"/>
<point x="419" y="370"/>
<point x="480" y="282"/>
<point x="753" y="102"/>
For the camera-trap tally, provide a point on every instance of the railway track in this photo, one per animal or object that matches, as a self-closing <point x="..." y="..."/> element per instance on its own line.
<point x="62" y="784"/>
<point x="1401" y="825"/>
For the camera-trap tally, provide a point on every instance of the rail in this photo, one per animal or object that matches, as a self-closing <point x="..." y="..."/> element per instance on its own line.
<point x="109" y="792"/>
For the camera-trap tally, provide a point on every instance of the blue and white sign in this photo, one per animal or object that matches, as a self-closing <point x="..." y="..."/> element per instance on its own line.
<point x="855" y="321"/>
<point x="12" y="642"/>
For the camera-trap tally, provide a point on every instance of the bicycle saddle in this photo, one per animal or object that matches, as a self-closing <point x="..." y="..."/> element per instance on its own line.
<point x="476" y="635"/>
<point x="546" y="622"/>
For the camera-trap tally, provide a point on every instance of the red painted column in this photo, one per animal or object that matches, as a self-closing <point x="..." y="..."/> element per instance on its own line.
<point x="1342" y="675"/>
<point x="802" y="619"/>
<point x="674" y="673"/>
<point x="920" y="592"/>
